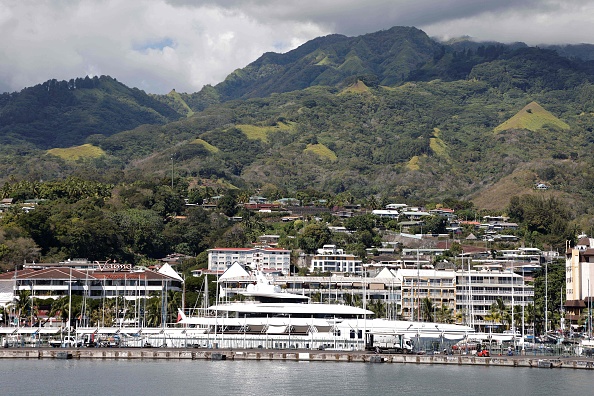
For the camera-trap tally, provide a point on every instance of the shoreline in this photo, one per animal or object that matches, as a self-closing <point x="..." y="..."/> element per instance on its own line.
<point x="292" y="355"/>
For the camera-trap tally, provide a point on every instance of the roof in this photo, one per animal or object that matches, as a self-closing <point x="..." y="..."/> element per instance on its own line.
<point x="575" y="304"/>
<point x="71" y="273"/>
<point x="167" y="270"/>
<point x="385" y="273"/>
<point x="267" y="249"/>
<point x="235" y="271"/>
<point x="425" y="273"/>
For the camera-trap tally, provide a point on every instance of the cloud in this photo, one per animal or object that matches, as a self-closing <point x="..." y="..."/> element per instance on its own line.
<point x="158" y="45"/>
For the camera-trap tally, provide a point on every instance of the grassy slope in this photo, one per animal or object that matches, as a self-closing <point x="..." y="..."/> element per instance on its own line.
<point x="256" y="132"/>
<point x="78" y="152"/>
<point x="532" y="117"/>
<point x="321" y="151"/>
<point x="208" y="146"/>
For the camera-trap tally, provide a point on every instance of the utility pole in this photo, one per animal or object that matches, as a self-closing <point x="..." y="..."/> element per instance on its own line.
<point x="172" y="172"/>
<point x="546" y="296"/>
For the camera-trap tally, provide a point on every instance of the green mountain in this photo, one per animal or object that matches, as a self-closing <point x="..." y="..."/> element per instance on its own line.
<point x="393" y="114"/>
<point x="65" y="113"/>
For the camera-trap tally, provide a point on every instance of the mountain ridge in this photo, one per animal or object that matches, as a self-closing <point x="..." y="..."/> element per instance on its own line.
<point x="392" y="114"/>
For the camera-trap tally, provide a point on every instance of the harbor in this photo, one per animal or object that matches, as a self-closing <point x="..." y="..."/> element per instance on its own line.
<point x="293" y="355"/>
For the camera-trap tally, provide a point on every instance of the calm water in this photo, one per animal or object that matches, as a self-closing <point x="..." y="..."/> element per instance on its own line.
<point x="96" y="377"/>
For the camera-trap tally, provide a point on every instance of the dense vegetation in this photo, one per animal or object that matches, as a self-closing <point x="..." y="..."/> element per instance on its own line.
<point x="393" y="114"/>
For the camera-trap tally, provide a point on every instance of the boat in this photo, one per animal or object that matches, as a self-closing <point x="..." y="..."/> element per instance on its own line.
<point x="275" y="318"/>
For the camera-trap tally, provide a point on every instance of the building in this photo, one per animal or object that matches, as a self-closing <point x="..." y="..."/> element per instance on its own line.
<point x="579" y="278"/>
<point x="478" y="290"/>
<point x="386" y="213"/>
<point x="219" y="259"/>
<point x="331" y="259"/>
<point x="57" y="282"/>
<point x="464" y="296"/>
<point x="418" y="284"/>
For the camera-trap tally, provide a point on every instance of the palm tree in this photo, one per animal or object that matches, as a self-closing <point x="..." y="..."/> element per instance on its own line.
<point x="444" y="314"/>
<point x="498" y="312"/>
<point x="427" y="309"/>
<point x="153" y="312"/>
<point x="353" y="300"/>
<point x="377" y="307"/>
<point x="173" y="303"/>
<point x="59" y="307"/>
<point x="23" y="304"/>
<point x="518" y="316"/>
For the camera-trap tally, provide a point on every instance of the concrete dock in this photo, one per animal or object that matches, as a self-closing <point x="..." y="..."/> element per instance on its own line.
<point x="293" y="355"/>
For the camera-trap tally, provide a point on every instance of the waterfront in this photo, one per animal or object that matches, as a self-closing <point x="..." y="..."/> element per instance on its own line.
<point x="176" y="377"/>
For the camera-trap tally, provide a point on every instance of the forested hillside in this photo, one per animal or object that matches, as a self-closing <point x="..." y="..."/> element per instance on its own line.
<point x="65" y="113"/>
<point x="389" y="114"/>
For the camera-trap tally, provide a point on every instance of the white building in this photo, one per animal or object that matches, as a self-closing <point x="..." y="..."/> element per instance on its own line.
<point x="219" y="259"/>
<point x="579" y="278"/>
<point x="477" y="291"/>
<point x="418" y="284"/>
<point x="331" y="259"/>
<point x="386" y="213"/>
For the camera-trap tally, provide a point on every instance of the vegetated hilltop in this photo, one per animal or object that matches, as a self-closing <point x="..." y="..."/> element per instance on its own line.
<point x="65" y="113"/>
<point x="393" y="113"/>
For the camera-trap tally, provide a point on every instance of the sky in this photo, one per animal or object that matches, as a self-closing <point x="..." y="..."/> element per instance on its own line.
<point x="160" y="45"/>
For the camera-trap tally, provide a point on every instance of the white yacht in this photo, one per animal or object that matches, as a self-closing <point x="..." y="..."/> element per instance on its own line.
<point x="277" y="319"/>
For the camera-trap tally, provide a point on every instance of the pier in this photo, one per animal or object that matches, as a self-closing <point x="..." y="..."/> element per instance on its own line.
<point x="293" y="355"/>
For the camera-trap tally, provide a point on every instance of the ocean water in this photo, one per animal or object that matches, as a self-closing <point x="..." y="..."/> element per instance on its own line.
<point x="228" y="378"/>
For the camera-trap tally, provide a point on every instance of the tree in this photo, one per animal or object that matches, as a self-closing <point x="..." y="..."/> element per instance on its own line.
<point x="360" y="223"/>
<point x="227" y="205"/>
<point x="498" y="313"/>
<point x="444" y="314"/>
<point x="313" y="237"/>
<point x="23" y="304"/>
<point x="435" y="224"/>
<point x="427" y="309"/>
<point x="141" y="229"/>
<point x="17" y="250"/>
<point x="545" y="220"/>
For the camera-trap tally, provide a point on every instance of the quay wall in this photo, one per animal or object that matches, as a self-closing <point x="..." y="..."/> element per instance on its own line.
<point x="288" y="355"/>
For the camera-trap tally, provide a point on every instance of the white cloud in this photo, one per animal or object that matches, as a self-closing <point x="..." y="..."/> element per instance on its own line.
<point x="158" y="45"/>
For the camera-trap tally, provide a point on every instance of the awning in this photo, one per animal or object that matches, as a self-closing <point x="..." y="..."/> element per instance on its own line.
<point x="27" y="330"/>
<point x="49" y="330"/>
<point x="108" y="330"/>
<point x="191" y="332"/>
<point x="130" y="330"/>
<point x="276" y="329"/>
<point x="453" y="336"/>
<point x="86" y="330"/>
<point x="151" y="331"/>
<point x="428" y="335"/>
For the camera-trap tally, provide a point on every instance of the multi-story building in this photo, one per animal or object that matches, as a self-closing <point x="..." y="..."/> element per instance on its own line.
<point x="466" y="296"/>
<point x="418" y="284"/>
<point x="579" y="278"/>
<point x="219" y="259"/>
<point x="478" y="290"/>
<point x="52" y="282"/>
<point x="331" y="259"/>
